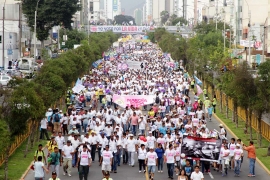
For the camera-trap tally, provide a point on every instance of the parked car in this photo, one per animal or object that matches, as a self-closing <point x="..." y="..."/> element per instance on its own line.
<point x="4" y="79"/>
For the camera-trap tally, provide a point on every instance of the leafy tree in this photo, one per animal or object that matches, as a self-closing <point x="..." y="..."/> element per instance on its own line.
<point x="261" y="104"/>
<point x="73" y="37"/>
<point x="49" y="13"/>
<point x="164" y="16"/>
<point x="123" y="19"/>
<point x="246" y="91"/>
<point x="179" y="20"/>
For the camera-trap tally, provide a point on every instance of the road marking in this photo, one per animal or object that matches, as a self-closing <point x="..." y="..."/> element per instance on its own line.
<point x="211" y="176"/>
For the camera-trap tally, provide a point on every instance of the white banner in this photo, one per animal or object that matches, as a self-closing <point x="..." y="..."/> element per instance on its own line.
<point x="78" y="88"/>
<point x="134" y="64"/>
<point x="133" y="100"/>
<point x="121" y="29"/>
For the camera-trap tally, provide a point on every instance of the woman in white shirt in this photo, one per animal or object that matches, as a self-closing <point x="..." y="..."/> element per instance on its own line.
<point x="141" y="157"/>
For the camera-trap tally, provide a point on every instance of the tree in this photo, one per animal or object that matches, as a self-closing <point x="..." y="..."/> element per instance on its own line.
<point x="123" y="19"/>
<point x="246" y="92"/>
<point x="49" y="13"/>
<point x="164" y="16"/>
<point x="74" y="37"/>
<point x="261" y="104"/>
<point x="179" y="21"/>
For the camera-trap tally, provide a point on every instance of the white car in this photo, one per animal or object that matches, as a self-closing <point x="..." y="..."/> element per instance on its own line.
<point x="4" y="79"/>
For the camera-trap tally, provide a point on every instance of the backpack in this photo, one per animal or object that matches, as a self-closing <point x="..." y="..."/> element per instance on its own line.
<point x="157" y="100"/>
<point x="225" y="132"/>
<point x="42" y="153"/>
<point x="56" y="118"/>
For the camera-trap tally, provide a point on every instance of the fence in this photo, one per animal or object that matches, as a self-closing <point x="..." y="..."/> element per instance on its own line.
<point x="242" y="114"/>
<point x="18" y="141"/>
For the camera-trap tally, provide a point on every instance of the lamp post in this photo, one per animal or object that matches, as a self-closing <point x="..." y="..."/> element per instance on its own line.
<point x="35" y="32"/>
<point x="3" y="37"/>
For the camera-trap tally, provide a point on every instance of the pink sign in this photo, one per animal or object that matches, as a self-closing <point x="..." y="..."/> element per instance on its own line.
<point x="122" y="66"/>
<point x="133" y="100"/>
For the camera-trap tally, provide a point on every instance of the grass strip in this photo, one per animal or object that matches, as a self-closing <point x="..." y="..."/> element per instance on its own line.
<point x="17" y="163"/>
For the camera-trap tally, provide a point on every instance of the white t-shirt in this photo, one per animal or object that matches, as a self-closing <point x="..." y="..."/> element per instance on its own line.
<point x="151" y="158"/>
<point x="39" y="171"/>
<point x="60" y="141"/>
<point x="106" y="156"/>
<point x="151" y="141"/>
<point x="43" y="123"/>
<point x="67" y="150"/>
<point x="131" y="145"/>
<point x="170" y="155"/>
<point x="141" y="153"/>
<point x="232" y="147"/>
<point x="237" y="154"/>
<point x="84" y="158"/>
<point x="196" y="176"/>
<point x="225" y="153"/>
<point x="162" y="141"/>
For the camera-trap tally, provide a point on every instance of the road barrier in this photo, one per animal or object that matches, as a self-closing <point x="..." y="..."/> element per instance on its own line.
<point x="265" y="127"/>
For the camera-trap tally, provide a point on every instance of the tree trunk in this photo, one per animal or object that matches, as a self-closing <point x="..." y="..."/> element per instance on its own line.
<point x="27" y="145"/>
<point x="213" y="89"/>
<point x="37" y="133"/>
<point x="227" y="107"/>
<point x="6" y="161"/>
<point x="260" y="130"/>
<point x="220" y="105"/>
<point x="250" y="125"/>
<point x="268" y="150"/>
<point x="32" y="140"/>
<point x="246" y="123"/>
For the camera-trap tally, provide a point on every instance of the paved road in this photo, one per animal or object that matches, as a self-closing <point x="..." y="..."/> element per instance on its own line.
<point x="126" y="172"/>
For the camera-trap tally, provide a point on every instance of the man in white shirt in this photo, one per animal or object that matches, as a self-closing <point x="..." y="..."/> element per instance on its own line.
<point x="106" y="160"/>
<point x="238" y="154"/>
<point x="43" y="126"/>
<point x="151" y="161"/>
<point x="93" y="143"/>
<point x="225" y="160"/>
<point x="60" y="142"/>
<point x="197" y="174"/>
<point x="84" y="158"/>
<point x="102" y="142"/>
<point x="150" y="140"/>
<point x="131" y="144"/>
<point x="75" y="144"/>
<point x="169" y="158"/>
<point x="222" y="133"/>
<point x="67" y="153"/>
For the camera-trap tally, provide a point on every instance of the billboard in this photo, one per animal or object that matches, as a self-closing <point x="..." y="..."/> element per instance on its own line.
<point x="205" y="149"/>
<point x="115" y="5"/>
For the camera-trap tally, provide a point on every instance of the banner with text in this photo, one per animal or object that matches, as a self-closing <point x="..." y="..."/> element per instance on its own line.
<point x="133" y="100"/>
<point x="205" y="149"/>
<point x="121" y="29"/>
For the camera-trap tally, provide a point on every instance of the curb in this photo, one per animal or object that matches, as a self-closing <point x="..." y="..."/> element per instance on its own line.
<point x="228" y="129"/>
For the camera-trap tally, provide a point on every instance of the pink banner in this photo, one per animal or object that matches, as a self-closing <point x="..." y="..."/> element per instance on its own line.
<point x="199" y="90"/>
<point x="133" y="100"/>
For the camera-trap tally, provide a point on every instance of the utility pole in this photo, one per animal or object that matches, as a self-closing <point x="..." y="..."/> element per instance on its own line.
<point x="224" y="38"/>
<point x="20" y="32"/>
<point x="249" y="49"/>
<point x="3" y="36"/>
<point x="216" y="13"/>
<point x="195" y="12"/>
<point x="35" y="32"/>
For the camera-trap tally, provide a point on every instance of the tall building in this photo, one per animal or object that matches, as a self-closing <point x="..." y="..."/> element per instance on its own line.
<point x="174" y="6"/>
<point x="158" y="7"/>
<point x="112" y="8"/>
<point x="144" y="19"/>
<point x="138" y="16"/>
<point x="149" y="11"/>
<point x="94" y="11"/>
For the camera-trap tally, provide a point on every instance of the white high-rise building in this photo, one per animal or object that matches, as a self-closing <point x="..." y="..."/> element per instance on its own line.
<point x="112" y="8"/>
<point x="149" y="11"/>
<point x="158" y="7"/>
<point x="94" y="11"/>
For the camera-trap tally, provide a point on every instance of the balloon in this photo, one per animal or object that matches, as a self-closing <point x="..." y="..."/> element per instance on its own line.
<point x="183" y="155"/>
<point x="141" y="138"/>
<point x="144" y="139"/>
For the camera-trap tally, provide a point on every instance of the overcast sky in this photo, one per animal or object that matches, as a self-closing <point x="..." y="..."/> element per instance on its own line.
<point x="131" y="5"/>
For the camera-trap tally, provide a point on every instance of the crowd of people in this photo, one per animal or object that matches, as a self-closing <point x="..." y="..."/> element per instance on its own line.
<point x="95" y="128"/>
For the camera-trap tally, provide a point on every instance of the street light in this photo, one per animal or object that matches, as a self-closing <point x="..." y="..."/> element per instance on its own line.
<point x="3" y="37"/>
<point x="35" y="31"/>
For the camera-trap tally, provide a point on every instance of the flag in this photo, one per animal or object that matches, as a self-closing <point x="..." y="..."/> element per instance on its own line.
<point x="199" y="90"/>
<point x="79" y="82"/>
<point x="197" y="80"/>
